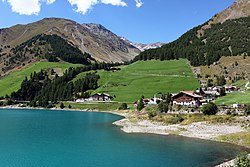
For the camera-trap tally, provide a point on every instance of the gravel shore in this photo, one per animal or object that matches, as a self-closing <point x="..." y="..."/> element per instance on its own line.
<point x="201" y="130"/>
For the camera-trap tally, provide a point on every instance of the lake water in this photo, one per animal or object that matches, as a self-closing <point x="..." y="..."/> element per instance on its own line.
<point x="43" y="138"/>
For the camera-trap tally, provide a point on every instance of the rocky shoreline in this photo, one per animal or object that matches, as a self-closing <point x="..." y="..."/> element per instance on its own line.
<point x="201" y="130"/>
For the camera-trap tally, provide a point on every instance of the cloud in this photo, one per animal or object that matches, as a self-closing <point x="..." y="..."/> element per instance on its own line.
<point x="83" y="6"/>
<point x="21" y="6"/>
<point x="139" y="3"/>
<point x="27" y="7"/>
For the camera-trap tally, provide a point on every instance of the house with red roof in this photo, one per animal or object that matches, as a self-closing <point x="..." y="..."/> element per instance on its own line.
<point x="187" y="98"/>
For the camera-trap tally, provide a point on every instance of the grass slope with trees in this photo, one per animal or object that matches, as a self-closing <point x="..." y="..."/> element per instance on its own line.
<point x="44" y="90"/>
<point x="12" y="82"/>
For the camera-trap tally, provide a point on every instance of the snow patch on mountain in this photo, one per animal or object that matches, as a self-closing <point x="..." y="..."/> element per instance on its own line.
<point x="143" y="47"/>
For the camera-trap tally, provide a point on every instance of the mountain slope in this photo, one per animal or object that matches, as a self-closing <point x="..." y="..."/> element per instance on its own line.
<point x="230" y="38"/>
<point x="100" y="43"/>
<point x="240" y="8"/>
<point x="50" y="47"/>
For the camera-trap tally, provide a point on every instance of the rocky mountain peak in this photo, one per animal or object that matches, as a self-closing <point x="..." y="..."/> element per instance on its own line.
<point x="99" y="30"/>
<point x="240" y="8"/>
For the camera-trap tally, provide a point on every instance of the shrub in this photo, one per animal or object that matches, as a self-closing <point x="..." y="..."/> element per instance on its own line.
<point x="163" y="107"/>
<point x="50" y="105"/>
<point x="247" y="110"/>
<point x="124" y="106"/>
<point x="176" y="119"/>
<point x="222" y="92"/>
<point x="33" y="103"/>
<point x="151" y="114"/>
<point x="242" y="160"/>
<point x="10" y="102"/>
<point x="229" y="112"/>
<point x="209" y="109"/>
<point x="62" y="106"/>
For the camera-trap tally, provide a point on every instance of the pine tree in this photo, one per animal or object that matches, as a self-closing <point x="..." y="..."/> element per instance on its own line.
<point x="62" y="106"/>
<point x="69" y="106"/>
<point x="140" y="105"/>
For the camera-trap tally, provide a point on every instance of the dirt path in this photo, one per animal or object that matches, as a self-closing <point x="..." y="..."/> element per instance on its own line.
<point x="246" y="86"/>
<point x="161" y="75"/>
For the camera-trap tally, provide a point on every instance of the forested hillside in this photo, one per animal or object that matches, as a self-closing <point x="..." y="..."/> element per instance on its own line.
<point x="231" y="38"/>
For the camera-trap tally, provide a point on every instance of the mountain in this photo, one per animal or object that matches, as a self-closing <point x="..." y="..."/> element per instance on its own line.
<point x="228" y="38"/>
<point x="142" y="47"/>
<point x="94" y="39"/>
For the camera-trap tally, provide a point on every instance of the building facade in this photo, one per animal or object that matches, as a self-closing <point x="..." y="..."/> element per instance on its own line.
<point x="187" y="98"/>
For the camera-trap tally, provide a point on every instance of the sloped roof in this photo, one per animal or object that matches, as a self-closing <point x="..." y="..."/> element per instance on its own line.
<point x="102" y="94"/>
<point x="190" y="93"/>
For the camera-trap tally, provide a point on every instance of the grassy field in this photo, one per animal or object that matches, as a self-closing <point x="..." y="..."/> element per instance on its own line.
<point x="233" y="98"/>
<point x="147" y="78"/>
<point x="240" y="83"/>
<point x="242" y="138"/>
<point x="13" y="81"/>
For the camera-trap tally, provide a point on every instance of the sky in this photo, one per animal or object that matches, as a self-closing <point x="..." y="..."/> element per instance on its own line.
<point x="143" y="21"/>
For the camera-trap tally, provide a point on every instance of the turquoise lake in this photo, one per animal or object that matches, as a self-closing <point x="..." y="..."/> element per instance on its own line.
<point x="43" y="138"/>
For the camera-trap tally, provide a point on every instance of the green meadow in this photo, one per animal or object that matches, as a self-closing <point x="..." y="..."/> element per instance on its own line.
<point x="233" y="98"/>
<point x="147" y="78"/>
<point x="13" y="81"/>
